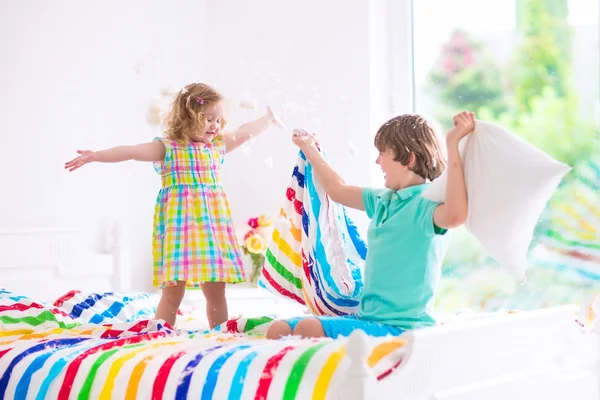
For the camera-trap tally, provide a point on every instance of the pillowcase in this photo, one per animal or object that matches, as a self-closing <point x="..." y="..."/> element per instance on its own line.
<point x="508" y="182"/>
<point x="316" y="254"/>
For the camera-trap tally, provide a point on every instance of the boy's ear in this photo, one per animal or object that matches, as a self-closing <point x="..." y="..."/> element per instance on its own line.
<point x="412" y="160"/>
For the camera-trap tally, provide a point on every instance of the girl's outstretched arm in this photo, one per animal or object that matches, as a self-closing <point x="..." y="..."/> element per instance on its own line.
<point x="152" y="151"/>
<point x="247" y="131"/>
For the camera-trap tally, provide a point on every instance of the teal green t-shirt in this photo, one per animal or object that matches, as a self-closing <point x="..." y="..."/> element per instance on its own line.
<point x="404" y="260"/>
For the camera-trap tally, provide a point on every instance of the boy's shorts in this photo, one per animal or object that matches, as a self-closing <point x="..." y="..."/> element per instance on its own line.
<point x="343" y="326"/>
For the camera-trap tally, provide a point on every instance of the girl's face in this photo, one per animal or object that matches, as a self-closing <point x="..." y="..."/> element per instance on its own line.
<point x="213" y="113"/>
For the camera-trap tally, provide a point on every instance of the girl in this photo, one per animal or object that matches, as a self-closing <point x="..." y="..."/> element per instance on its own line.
<point x="194" y="243"/>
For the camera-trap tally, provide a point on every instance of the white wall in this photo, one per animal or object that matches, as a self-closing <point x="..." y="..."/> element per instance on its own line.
<point x="312" y="61"/>
<point x="80" y="75"/>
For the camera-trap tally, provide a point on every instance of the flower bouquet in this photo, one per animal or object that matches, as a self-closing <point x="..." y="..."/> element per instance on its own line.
<point x="255" y="243"/>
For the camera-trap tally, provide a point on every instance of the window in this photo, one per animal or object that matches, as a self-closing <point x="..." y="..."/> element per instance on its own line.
<point x="532" y="66"/>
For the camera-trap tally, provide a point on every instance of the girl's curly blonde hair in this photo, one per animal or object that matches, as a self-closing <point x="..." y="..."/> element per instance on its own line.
<point x="187" y="114"/>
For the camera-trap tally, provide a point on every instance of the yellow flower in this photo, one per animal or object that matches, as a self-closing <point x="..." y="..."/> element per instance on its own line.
<point x="264" y="220"/>
<point x="255" y="244"/>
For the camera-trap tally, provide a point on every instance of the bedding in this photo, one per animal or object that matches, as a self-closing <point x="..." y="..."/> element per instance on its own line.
<point x="67" y="350"/>
<point x="111" y="307"/>
<point x="103" y="346"/>
<point x="316" y="254"/>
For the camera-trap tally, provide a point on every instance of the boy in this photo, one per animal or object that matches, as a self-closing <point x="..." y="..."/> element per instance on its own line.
<point x="406" y="236"/>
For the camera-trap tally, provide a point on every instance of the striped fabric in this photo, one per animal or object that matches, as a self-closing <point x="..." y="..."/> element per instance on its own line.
<point x="316" y="255"/>
<point x="144" y="360"/>
<point x="155" y="366"/>
<point x="21" y="315"/>
<point x="101" y="308"/>
<point x="194" y="238"/>
<point x="111" y="308"/>
<point x="572" y="240"/>
<point x="249" y="326"/>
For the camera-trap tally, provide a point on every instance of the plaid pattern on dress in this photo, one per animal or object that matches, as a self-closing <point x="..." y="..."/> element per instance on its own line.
<point x="194" y="237"/>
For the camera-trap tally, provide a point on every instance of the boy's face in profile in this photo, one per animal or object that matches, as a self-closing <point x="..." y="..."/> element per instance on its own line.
<point x="395" y="174"/>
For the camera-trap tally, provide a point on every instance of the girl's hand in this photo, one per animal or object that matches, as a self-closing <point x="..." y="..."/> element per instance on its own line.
<point x="304" y="139"/>
<point x="275" y="119"/>
<point x="86" y="156"/>
<point x="464" y="123"/>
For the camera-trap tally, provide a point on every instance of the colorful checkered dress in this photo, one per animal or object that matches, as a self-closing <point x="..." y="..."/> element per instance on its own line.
<point x="194" y="238"/>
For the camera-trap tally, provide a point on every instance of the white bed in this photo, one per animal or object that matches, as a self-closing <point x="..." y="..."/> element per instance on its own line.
<point x="541" y="354"/>
<point x="535" y="355"/>
<point x="46" y="263"/>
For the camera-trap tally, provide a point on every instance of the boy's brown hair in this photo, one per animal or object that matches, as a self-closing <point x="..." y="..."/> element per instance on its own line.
<point x="412" y="134"/>
<point x="187" y="114"/>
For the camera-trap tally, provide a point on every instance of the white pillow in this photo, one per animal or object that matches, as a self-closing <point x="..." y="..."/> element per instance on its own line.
<point x="509" y="182"/>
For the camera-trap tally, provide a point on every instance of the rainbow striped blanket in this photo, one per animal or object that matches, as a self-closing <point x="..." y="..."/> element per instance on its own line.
<point x="46" y="353"/>
<point x="572" y="238"/>
<point x="316" y="255"/>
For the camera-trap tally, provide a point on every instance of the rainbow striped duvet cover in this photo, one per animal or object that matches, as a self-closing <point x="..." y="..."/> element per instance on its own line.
<point x="48" y="352"/>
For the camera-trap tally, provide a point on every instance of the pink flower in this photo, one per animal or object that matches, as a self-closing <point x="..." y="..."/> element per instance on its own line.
<point x="253" y="223"/>
<point x="449" y="66"/>
<point x="468" y="56"/>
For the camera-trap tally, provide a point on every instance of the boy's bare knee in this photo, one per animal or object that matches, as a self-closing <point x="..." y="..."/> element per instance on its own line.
<point x="309" y="327"/>
<point x="278" y="329"/>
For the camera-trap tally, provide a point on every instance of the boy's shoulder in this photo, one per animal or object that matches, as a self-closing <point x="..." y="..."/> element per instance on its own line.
<point x="411" y="193"/>
<point x="373" y="192"/>
<point x="409" y="200"/>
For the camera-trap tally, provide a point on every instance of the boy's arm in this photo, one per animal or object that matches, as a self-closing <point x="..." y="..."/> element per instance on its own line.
<point x="152" y="151"/>
<point x="454" y="211"/>
<point x="247" y="131"/>
<point x="333" y="183"/>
